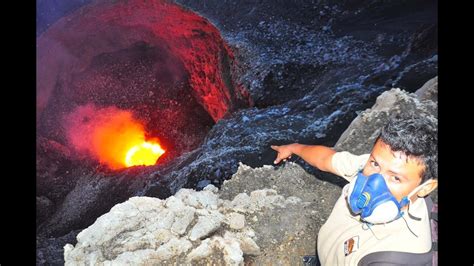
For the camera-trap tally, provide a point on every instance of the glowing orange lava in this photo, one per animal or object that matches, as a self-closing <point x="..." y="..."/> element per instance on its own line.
<point x="143" y="154"/>
<point x="112" y="136"/>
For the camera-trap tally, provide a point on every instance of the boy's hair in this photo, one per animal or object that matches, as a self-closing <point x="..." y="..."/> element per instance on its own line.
<point x="416" y="137"/>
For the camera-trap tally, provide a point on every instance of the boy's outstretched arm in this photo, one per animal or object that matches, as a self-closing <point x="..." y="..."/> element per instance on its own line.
<point x="316" y="155"/>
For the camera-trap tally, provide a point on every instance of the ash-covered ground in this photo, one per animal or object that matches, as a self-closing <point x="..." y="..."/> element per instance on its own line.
<point x="310" y="69"/>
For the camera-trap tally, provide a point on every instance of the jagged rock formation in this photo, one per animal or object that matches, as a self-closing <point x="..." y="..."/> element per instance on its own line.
<point x="359" y="137"/>
<point x="211" y="226"/>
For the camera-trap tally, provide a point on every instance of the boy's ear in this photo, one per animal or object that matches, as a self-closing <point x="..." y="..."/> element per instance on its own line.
<point x="428" y="187"/>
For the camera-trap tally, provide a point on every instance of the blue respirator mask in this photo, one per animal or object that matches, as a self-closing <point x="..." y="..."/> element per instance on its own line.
<point x="371" y="198"/>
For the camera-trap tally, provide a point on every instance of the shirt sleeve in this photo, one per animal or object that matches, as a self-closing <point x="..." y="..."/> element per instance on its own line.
<point x="347" y="164"/>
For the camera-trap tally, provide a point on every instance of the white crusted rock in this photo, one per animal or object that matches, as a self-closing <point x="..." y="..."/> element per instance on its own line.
<point x="265" y="198"/>
<point x="138" y="257"/>
<point x="239" y="203"/>
<point x="173" y="248"/>
<point x="108" y="225"/>
<point x="188" y="197"/>
<point x="147" y="204"/>
<point x="202" y="251"/>
<point x="206" y="225"/>
<point x="150" y="231"/>
<point x="211" y="188"/>
<point x="207" y="199"/>
<point x="165" y="219"/>
<point x="161" y="236"/>
<point x="230" y="247"/>
<point x="247" y="244"/>
<point x="182" y="219"/>
<point x="235" y="220"/>
<point x="174" y="204"/>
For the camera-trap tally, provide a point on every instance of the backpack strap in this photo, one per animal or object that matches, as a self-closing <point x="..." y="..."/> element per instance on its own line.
<point x="432" y="209"/>
<point x="396" y="258"/>
<point x="433" y="214"/>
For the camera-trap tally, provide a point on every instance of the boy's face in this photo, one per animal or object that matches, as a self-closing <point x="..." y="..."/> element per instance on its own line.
<point x="402" y="174"/>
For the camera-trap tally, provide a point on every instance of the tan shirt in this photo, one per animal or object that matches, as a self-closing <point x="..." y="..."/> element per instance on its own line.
<point x="344" y="239"/>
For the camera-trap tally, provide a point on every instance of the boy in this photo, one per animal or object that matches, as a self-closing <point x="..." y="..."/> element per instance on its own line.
<point x="383" y="207"/>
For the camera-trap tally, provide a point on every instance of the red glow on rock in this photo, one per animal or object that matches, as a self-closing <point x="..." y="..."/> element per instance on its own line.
<point x="112" y="136"/>
<point x="70" y="45"/>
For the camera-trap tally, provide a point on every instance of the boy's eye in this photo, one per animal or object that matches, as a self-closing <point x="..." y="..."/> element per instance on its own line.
<point x="374" y="163"/>
<point x="396" y="178"/>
